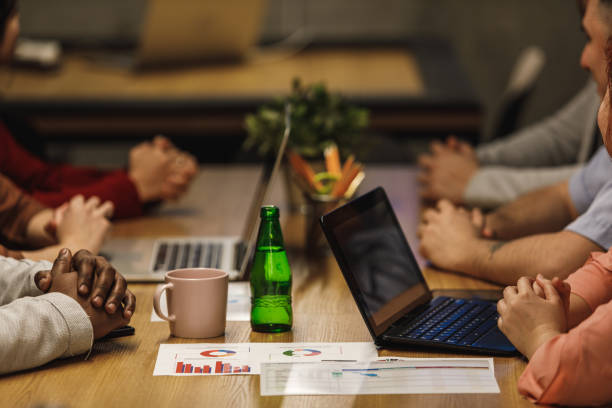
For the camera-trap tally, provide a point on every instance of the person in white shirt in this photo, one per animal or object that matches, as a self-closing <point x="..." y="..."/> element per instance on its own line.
<point x="56" y="311"/>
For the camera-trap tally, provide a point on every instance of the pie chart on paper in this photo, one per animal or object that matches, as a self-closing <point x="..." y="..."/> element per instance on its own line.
<point x="301" y="353"/>
<point x="217" y="353"/>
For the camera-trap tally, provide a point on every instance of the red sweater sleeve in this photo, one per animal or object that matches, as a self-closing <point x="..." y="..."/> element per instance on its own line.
<point x="53" y="185"/>
<point x="114" y="186"/>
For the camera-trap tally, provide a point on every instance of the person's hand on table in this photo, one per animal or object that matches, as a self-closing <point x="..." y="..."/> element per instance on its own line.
<point x="528" y="319"/>
<point x="447" y="235"/>
<point x="84" y="223"/>
<point x="183" y="169"/>
<point x="479" y="221"/>
<point x="55" y="220"/>
<point x="183" y="163"/>
<point x="160" y="171"/>
<point x="563" y="289"/>
<point x="447" y="170"/>
<point x="90" y="280"/>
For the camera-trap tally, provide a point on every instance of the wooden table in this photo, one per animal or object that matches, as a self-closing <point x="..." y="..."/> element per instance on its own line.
<point x="119" y="372"/>
<point x="410" y="88"/>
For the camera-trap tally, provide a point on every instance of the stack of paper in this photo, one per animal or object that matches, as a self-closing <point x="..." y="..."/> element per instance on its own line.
<point x="409" y="376"/>
<point x="328" y="368"/>
<point x="246" y="358"/>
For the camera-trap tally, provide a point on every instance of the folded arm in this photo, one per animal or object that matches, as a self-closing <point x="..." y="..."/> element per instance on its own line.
<point x="557" y="254"/>
<point x="572" y="368"/>
<point x="549" y="209"/>
<point x="451" y="241"/>
<point x="37" y="328"/>
<point x="493" y="186"/>
<point x="115" y="187"/>
<point x="591" y="286"/>
<point x="34" y="331"/>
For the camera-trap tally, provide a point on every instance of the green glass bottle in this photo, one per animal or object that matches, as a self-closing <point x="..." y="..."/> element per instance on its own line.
<point x="270" y="277"/>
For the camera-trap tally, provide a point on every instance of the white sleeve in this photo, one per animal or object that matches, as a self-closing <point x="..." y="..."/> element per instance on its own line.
<point x="555" y="141"/>
<point x="36" y="330"/>
<point x="493" y="186"/>
<point x="17" y="278"/>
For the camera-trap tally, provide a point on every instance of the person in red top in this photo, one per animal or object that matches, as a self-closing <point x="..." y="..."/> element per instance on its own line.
<point x="156" y="171"/>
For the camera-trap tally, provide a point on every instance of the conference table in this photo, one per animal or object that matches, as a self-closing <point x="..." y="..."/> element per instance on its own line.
<point x="119" y="372"/>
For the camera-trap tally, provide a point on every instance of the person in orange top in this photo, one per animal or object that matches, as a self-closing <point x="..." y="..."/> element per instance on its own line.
<point x="564" y="328"/>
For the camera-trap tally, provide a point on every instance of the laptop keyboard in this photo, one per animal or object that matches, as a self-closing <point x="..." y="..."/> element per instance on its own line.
<point x="175" y="255"/>
<point x="187" y="255"/>
<point x="453" y="321"/>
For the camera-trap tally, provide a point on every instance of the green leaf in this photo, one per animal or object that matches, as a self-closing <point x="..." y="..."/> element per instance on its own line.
<point x="318" y="117"/>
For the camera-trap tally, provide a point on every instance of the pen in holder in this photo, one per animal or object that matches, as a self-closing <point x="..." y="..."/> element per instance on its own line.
<point x="324" y="191"/>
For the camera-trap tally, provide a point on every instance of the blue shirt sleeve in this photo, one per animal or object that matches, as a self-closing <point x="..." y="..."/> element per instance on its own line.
<point x="586" y="182"/>
<point x="591" y="193"/>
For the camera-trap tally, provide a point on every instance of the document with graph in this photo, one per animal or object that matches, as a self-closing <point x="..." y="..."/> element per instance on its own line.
<point x="408" y="376"/>
<point x="205" y="359"/>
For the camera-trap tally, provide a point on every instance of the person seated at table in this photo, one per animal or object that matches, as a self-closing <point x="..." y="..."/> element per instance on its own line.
<point x="564" y="328"/>
<point x="29" y="230"/>
<point x="157" y="170"/>
<point x="44" y="315"/>
<point x="537" y="156"/>
<point x="550" y="231"/>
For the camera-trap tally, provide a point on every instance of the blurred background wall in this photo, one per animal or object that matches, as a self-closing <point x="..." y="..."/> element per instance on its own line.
<point x="487" y="35"/>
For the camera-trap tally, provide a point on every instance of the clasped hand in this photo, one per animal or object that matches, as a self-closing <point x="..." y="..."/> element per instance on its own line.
<point x="447" y="233"/>
<point x="160" y="171"/>
<point x="533" y="312"/>
<point x="447" y="170"/>
<point x="91" y="281"/>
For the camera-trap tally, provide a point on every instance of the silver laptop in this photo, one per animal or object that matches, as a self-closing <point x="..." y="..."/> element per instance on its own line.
<point x="232" y="254"/>
<point x="176" y="31"/>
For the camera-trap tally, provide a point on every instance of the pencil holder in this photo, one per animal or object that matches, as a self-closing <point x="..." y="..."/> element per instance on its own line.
<point x="324" y="186"/>
<point x="317" y="205"/>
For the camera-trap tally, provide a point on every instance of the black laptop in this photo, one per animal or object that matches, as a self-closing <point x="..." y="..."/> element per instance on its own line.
<point x="387" y="284"/>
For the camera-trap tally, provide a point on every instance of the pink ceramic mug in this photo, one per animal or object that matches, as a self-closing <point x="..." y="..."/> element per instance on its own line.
<point x="197" y="302"/>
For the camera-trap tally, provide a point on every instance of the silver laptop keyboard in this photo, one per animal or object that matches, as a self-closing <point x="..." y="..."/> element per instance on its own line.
<point x="175" y="255"/>
<point x="187" y="255"/>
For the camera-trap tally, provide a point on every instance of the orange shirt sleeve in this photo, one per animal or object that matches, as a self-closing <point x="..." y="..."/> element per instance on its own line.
<point x="573" y="368"/>
<point x="593" y="282"/>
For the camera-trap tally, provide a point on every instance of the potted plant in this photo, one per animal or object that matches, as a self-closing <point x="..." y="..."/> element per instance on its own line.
<point x="318" y="118"/>
<point x="321" y="122"/>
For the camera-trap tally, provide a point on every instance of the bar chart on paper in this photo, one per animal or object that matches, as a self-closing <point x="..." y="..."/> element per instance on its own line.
<point x="218" y="367"/>
<point x="245" y="358"/>
<point x="203" y="359"/>
<point x="213" y="366"/>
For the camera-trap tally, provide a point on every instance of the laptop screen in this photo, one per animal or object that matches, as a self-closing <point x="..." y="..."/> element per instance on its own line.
<point x="375" y="259"/>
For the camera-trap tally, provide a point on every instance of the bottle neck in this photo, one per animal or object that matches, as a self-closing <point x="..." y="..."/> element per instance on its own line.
<point x="270" y="234"/>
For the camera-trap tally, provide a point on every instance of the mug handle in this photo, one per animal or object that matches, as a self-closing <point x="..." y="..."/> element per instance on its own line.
<point x="156" y="298"/>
